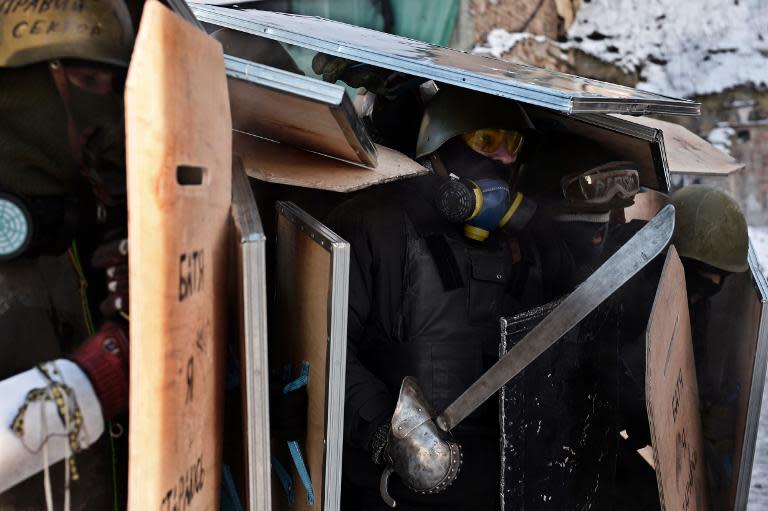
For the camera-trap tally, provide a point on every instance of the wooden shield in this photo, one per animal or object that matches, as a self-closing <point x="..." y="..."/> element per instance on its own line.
<point x="179" y="183"/>
<point x="672" y="395"/>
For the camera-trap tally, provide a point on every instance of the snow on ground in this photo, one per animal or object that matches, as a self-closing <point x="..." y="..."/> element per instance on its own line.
<point x="681" y="48"/>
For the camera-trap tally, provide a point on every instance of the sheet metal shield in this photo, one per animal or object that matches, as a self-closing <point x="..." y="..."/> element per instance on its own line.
<point x="737" y="336"/>
<point x="555" y="419"/>
<point x="558" y="91"/>
<point x="251" y="287"/>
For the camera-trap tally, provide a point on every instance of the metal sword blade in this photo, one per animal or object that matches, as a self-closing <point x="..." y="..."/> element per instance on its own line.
<point x="646" y="244"/>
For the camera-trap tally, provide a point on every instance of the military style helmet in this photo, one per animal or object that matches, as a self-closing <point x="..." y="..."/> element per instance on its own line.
<point x="34" y="31"/>
<point x="454" y="111"/>
<point x="710" y="227"/>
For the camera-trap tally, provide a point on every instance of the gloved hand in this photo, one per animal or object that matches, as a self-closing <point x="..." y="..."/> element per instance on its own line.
<point x="416" y="449"/>
<point x="103" y="357"/>
<point x="355" y="74"/>
<point x="112" y="257"/>
<point x="352" y="73"/>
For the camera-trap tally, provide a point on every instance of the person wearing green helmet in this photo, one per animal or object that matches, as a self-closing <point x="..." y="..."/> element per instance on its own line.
<point x="435" y="262"/>
<point x="63" y="372"/>
<point x="712" y="241"/>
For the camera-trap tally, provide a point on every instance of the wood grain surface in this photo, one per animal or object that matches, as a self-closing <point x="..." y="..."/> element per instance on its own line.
<point x="303" y="290"/>
<point x="283" y="164"/>
<point x="672" y="396"/>
<point x="178" y="130"/>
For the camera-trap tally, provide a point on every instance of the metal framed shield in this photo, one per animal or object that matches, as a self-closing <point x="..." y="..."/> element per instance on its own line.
<point x="311" y="297"/>
<point x="550" y="89"/>
<point x="737" y="337"/>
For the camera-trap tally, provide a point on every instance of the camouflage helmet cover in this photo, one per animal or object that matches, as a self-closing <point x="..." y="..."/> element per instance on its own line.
<point x="34" y="31"/>
<point x="454" y="111"/>
<point x="710" y="227"/>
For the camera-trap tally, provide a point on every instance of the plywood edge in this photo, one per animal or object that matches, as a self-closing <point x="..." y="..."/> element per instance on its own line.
<point x="688" y="153"/>
<point x="273" y="162"/>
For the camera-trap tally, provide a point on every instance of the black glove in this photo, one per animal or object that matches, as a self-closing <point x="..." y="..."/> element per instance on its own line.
<point x="378" y="80"/>
<point x="112" y="257"/>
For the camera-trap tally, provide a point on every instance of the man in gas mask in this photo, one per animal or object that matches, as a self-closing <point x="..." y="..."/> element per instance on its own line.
<point x="579" y="182"/>
<point x="63" y="371"/>
<point x="436" y="260"/>
<point x="712" y="241"/>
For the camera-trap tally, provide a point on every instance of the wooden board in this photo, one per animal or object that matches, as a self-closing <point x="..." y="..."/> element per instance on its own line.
<point x="672" y="396"/>
<point x="313" y="273"/>
<point x="251" y="285"/>
<point x="688" y="153"/>
<point x="283" y="164"/>
<point x="647" y="204"/>
<point x="178" y="134"/>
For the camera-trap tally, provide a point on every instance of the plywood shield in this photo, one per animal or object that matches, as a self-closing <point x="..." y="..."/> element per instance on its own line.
<point x="672" y="395"/>
<point x="179" y="178"/>
<point x="251" y="284"/>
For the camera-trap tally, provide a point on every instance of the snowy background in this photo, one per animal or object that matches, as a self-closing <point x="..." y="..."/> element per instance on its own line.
<point x="681" y="48"/>
<point x="678" y="48"/>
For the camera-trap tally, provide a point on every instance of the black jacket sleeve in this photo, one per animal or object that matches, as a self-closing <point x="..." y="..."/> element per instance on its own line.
<point x="377" y="243"/>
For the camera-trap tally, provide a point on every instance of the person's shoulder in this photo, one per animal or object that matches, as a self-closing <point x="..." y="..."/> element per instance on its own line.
<point x="377" y="213"/>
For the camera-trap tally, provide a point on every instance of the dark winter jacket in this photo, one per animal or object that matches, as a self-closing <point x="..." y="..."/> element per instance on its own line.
<point x="425" y="301"/>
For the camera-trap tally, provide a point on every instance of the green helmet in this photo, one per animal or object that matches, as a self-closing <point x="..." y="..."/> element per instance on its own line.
<point x="710" y="227"/>
<point x="34" y="31"/>
<point x="455" y="111"/>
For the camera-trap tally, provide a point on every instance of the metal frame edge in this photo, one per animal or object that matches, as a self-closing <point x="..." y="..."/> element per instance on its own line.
<point x="279" y="80"/>
<point x="756" y="391"/>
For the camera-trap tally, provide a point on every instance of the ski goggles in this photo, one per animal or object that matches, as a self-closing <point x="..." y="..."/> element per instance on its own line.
<point x="491" y="140"/>
<point x="613" y="185"/>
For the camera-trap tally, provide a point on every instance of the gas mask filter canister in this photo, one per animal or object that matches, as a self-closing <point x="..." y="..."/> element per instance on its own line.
<point x="484" y="205"/>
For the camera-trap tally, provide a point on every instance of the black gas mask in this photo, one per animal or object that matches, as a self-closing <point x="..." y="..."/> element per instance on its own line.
<point x="698" y="285"/>
<point x="480" y="193"/>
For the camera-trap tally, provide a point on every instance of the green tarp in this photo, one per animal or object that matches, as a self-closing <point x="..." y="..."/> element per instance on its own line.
<point x="432" y="21"/>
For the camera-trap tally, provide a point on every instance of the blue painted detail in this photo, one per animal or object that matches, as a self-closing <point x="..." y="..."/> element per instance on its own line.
<point x="286" y="480"/>
<point x="496" y="202"/>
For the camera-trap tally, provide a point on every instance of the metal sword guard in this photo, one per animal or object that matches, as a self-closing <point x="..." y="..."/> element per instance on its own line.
<point x="417" y="450"/>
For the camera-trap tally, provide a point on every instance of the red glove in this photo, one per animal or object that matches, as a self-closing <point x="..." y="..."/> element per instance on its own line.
<point x="104" y="358"/>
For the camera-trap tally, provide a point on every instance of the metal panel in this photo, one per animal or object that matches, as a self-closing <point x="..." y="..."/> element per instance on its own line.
<point x="634" y="142"/>
<point x="756" y="388"/>
<point x="252" y="329"/>
<point x="336" y="337"/>
<point x="559" y="91"/>
<point x="298" y="110"/>
<point x="735" y="346"/>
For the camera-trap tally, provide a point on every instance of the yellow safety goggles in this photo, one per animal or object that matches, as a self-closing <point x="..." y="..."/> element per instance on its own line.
<point x="490" y="140"/>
